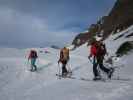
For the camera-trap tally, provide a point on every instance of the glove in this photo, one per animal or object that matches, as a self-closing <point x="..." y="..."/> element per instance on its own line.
<point x="59" y="61"/>
<point x="89" y="56"/>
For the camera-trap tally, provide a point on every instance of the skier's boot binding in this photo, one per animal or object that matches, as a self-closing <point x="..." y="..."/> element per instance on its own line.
<point x="110" y="73"/>
<point x="97" y="78"/>
<point x="64" y="74"/>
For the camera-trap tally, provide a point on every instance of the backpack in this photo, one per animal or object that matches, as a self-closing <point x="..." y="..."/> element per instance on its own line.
<point x="101" y="49"/>
<point x="64" y="54"/>
<point x="93" y="50"/>
<point x="98" y="49"/>
<point x="33" y="54"/>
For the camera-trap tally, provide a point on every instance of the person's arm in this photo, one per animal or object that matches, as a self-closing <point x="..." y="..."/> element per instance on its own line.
<point x="29" y="57"/>
<point x="36" y="55"/>
<point x="61" y="56"/>
<point x="68" y="54"/>
<point x="105" y="49"/>
<point x="90" y="55"/>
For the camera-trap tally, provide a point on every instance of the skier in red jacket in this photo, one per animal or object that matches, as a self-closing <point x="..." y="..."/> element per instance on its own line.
<point x="98" y="51"/>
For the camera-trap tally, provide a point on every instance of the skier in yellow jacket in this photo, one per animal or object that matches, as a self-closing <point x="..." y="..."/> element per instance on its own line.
<point x="64" y="58"/>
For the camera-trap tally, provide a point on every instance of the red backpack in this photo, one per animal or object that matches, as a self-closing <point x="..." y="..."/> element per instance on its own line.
<point x="101" y="50"/>
<point x="33" y="54"/>
<point x="98" y="49"/>
<point x="93" y="50"/>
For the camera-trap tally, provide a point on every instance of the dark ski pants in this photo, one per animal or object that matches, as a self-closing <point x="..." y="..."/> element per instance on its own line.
<point x="64" y="69"/>
<point x="98" y="64"/>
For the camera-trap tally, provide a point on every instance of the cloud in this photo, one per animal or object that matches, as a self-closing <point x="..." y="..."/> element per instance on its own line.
<point x="18" y="28"/>
<point x="46" y="22"/>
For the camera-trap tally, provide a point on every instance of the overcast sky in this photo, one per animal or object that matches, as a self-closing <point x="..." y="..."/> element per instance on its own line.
<point x="27" y="23"/>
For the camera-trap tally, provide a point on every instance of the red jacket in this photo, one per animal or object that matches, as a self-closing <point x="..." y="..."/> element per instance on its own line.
<point x="93" y="50"/>
<point x="98" y="49"/>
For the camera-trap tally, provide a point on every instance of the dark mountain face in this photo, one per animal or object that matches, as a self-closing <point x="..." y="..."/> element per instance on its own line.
<point x="119" y="18"/>
<point x="81" y="39"/>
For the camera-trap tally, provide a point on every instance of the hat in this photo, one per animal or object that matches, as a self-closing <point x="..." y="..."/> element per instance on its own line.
<point x="98" y="38"/>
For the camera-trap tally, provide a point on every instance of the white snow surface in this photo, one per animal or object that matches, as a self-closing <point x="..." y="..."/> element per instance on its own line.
<point x="18" y="83"/>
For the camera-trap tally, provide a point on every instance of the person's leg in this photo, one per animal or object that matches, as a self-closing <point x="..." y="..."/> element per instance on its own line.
<point x="109" y="71"/>
<point x="32" y="64"/>
<point x="34" y="67"/>
<point x="95" y="69"/>
<point x="64" y="70"/>
<point x="102" y="67"/>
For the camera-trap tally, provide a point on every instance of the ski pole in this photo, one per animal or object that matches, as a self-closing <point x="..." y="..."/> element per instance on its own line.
<point x="90" y="60"/>
<point x="59" y="68"/>
<point x="69" y="69"/>
<point x="28" y="65"/>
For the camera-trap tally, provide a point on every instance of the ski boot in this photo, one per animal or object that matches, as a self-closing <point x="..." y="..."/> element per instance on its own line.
<point x="110" y="73"/>
<point x="96" y="78"/>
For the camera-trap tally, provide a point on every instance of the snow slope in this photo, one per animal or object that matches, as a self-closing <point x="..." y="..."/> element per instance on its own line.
<point x="113" y="45"/>
<point x="17" y="83"/>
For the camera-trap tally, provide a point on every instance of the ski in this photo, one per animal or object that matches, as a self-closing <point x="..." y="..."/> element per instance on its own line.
<point x="91" y="80"/>
<point x="80" y="78"/>
<point x="64" y="76"/>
